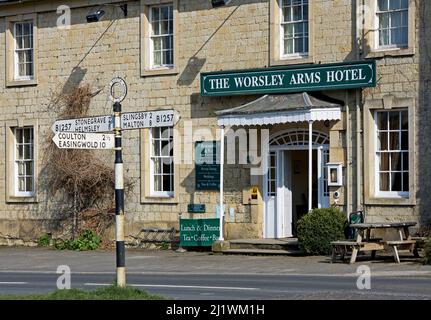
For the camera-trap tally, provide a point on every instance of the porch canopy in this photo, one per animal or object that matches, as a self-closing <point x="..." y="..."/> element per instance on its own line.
<point x="282" y="108"/>
<point x="276" y="109"/>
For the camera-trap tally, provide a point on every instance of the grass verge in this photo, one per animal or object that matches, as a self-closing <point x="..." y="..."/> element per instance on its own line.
<point x="106" y="293"/>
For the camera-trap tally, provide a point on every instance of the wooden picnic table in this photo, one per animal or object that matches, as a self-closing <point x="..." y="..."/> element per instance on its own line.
<point x="364" y="241"/>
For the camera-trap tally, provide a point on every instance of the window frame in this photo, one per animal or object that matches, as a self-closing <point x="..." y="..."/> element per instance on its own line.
<point x="153" y="192"/>
<point x="297" y="55"/>
<point x="377" y="28"/>
<point x="146" y="47"/>
<point x="371" y="33"/>
<point x="12" y="65"/>
<point x="16" y="161"/>
<point x="152" y="36"/>
<point x="12" y="193"/>
<point x="388" y="194"/>
<point x="276" y="50"/>
<point x="17" y="76"/>
<point x="388" y="103"/>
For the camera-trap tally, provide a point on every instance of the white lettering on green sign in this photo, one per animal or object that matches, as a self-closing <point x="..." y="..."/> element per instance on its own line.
<point x="282" y="80"/>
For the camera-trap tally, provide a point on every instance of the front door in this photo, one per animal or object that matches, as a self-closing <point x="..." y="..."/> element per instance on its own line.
<point x="278" y="209"/>
<point x="278" y="221"/>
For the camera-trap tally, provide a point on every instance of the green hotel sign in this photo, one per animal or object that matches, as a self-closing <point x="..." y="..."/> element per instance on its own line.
<point x="199" y="232"/>
<point x="290" y="79"/>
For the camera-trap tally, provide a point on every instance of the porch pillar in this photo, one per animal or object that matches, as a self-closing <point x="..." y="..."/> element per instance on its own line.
<point x="221" y="206"/>
<point x="310" y="165"/>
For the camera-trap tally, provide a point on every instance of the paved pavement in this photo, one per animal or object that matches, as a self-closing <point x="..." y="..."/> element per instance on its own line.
<point x="202" y="275"/>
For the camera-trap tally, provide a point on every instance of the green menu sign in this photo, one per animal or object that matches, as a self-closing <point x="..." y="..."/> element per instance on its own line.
<point x="290" y="79"/>
<point x="207" y="165"/>
<point x="199" y="232"/>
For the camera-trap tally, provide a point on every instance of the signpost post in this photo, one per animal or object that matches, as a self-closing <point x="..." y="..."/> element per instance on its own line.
<point x="117" y="98"/>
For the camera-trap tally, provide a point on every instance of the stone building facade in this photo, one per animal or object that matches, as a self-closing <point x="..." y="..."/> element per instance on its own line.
<point x="389" y="180"/>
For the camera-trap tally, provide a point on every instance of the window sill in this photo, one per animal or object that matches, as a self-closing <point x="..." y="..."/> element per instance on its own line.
<point x="159" y="72"/>
<point x="390" y="52"/>
<point x="21" y="199"/>
<point x="292" y="60"/>
<point x="390" y="201"/>
<point x="159" y="200"/>
<point x="21" y="83"/>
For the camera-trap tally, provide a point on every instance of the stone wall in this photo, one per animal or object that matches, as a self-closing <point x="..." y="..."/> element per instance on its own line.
<point x="232" y="37"/>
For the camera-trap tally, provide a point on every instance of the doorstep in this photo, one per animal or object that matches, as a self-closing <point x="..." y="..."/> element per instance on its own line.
<point x="285" y="246"/>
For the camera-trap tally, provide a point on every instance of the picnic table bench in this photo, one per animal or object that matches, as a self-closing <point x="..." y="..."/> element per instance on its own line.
<point x="364" y="241"/>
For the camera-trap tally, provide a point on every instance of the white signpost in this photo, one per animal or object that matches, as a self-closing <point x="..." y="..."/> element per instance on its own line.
<point x="148" y="119"/>
<point x="85" y="133"/>
<point x="91" y="124"/>
<point x="72" y="140"/>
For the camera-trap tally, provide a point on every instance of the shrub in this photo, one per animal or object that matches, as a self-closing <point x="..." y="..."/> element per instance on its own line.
<point x="44" y="240"/>
<point x="88" y="240"/>
<point x="427" y="251"/>
<point x="318" y="228"/>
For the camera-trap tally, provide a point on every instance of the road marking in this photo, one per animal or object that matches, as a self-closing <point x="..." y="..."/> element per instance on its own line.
<point x="175" y="286"/>
<point x="8" y="282"/>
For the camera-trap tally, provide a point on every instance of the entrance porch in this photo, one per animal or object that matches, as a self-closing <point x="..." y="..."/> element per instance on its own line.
<point x="294" y="176"/>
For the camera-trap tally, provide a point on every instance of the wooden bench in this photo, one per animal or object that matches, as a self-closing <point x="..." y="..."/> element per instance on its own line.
<point x="154" y="236"/>
<point x="343" y="247"/>
<point x="401" y="245"/>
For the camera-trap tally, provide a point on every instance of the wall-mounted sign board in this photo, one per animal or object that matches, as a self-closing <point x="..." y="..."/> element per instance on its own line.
<point x="207" y="165"/>
<point x="196" y="208"/>
<point x="290" y="79"/>
<point x="199" y="232"/>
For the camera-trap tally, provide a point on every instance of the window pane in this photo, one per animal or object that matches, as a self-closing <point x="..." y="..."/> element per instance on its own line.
<point x="156" y="148"/>
<point x="404" y="120"/>
<point x="157" y="183"/>
<point x="21" y="168"/>
<point x="155" y="14"/>
<point x="384" y="21"/>
<point x="405" y="161"/>
<point x="167" y="183"/>
<point x="28" y="154"/>
<point x="405" y="140"/>
<point x="20" y="154"/>
<point x="157" y="163"/>
<point x="165" y="13"/>
<point x="382" y="120"/>
<point x="21" y="57"/>
<point x="396" y="19"/>
<point x="394" y="141"/>
<point x="384" y="182"/>
<point x="394" y="120"/>
<point x="28" y="136"/>
<point x="164" y="27"/>
<point x="384" y="37"/>
<point x="396" y="162"/>
<point x="155" y="28"/>
<point x="157" y="58"/>
<point x="383" y="141"/>
<point x="21" y="184"/>
<point x="396" y="182"/>
<point x="383" y="5"/>
<point x="27" y="29"/>
<point x="29" y="184"/>
<point x="157" y="43"/>
<point x="384" y="162"/>
<point x="29" y="168"/>
<point x="406" y="182"/>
